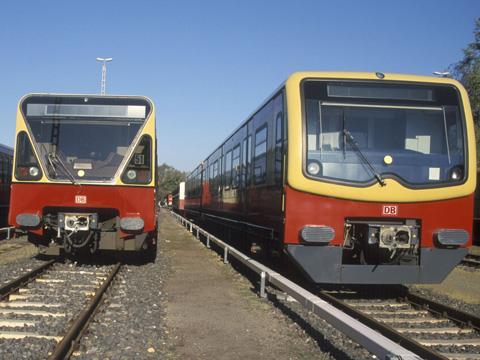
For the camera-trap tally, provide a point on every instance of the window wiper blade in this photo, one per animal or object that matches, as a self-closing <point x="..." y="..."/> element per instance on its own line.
<point x="52" y="165"/>
<point x="355" y="147"/>
<point x="53" y="157"/>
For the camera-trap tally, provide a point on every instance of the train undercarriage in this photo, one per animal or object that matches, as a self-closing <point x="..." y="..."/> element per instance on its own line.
<point x="87" y="232"/>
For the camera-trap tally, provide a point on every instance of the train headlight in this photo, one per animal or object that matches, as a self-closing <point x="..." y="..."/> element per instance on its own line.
<point x="131" y="174"/>
<point x="33" y="171"/>
<point x="313" y="168"/>
<point x="456" y="173"/>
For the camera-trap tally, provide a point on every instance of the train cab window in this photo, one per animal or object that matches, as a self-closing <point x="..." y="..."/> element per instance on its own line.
<point x="236" y="166"/>
<point x="27" y="166"/>
<point x="228" y="169"/>
<point x="419" y="127"/>
<point x="139" y="169"/>
<point x="260" y="159"/>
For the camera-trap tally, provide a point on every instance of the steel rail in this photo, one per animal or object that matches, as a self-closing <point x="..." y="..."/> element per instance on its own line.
<point x="70" y="339"/>
<point x="372" y="340"/>
<point x="386" y="330"/>
<point x="458" y="316"/>
<point x="14" y="285"/>
<point x="9" y="231"/>
<point x="471" y="260"/>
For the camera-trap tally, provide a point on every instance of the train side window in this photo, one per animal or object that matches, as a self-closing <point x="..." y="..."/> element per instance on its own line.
<point x="27" y="166"/>
<point x="197" y="183"/>
<point x="210" y="177"/>
<point x="243" y="172"/>
<point x="248" y="173"/>
<point x="215" y="177"/>
<point x="9" y="169"/>
<point x="260" y="159"/>
<point x="228" y="169"/>
<point x="3" y="167"/>
<point x="279" y="127"/>
<point x="236" y="166"/>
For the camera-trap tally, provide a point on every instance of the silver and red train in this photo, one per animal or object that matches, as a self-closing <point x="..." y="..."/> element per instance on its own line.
<point x="178" y="198"/>
<point x="354" y="177"/>
<point x="85" y="173"/>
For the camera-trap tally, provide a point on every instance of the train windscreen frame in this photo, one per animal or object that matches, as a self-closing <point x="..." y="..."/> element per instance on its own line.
<point x="84" y="138"/>
<point x="362" y="132"/>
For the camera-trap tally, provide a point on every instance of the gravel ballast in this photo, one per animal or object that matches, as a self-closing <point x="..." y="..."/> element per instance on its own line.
<point x="129" y="324"/>
<point x="60" y="292"/>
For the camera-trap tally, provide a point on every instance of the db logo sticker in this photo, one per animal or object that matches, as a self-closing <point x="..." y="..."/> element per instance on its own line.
<point x="390" y="210"/>
<point x="80" y="199"/>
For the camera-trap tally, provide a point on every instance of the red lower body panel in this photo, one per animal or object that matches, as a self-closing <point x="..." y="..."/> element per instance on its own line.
<point x="128" y="201"/>
<point x="331" y="262"/>
<point x="308" y="209"/>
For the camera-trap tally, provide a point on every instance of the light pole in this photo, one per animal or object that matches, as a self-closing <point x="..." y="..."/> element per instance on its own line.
<point x="445" y="74"/>
<point x="104" y="73"/>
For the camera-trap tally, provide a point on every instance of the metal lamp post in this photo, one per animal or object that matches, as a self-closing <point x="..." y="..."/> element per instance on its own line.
<point x="104" y="73"/>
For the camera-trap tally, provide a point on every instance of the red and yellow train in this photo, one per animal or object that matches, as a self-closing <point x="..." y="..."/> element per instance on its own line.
<point x="355" y="177"/>
<point x="84" y="173"/>
<point x="6" y="160"/>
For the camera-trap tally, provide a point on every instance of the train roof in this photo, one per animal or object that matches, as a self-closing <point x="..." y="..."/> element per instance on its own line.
<point x="4" y="149"/>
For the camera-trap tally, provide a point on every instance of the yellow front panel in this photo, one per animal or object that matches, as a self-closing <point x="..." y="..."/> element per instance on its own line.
<point x="393" y="191"/>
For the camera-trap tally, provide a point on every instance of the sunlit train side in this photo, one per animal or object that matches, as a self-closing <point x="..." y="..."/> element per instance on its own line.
<point x="6" y="160"/>
<point x="84" y="173"/>
<point x="476" y="214"/>
<point x="355" y="177"/>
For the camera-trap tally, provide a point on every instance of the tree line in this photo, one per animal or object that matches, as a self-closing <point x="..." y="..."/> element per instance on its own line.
<point x="168" y="179"/>
<point x="467" y="71"/>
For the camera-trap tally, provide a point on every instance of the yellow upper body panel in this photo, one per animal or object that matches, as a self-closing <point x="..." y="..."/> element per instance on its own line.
<point x="393" y="191"/>
<point x="147" y="129"/>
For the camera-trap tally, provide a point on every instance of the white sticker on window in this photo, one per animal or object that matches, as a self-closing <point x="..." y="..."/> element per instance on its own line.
<point x="434" y="173"/>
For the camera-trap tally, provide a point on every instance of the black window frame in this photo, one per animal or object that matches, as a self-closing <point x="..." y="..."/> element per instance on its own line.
<point x="261" y="177"/>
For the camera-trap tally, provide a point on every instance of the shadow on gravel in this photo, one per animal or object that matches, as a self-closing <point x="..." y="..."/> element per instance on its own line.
<point x="324" y="344"/>
<point x="99" y="258"/>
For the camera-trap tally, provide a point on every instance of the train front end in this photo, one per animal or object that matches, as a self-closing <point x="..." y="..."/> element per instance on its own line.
<point x="381" y="175"/>
<point x="84" y="173"/>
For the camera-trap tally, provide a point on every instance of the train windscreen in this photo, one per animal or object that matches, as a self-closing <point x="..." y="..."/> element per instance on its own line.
<point x="360" y="134"/>
<point x="82" y="138"/>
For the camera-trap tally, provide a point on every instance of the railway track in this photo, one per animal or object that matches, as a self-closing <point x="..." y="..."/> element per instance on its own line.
<point x="424" y="328"/>
<point x="471" y="260"/>
<point x="427" y="328"/>
<point x="52" y="305"/>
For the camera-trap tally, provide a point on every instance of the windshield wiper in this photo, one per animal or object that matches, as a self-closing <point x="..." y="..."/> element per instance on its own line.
<point x="53" y="158"/>
<point x="355" y="147"/>
<point x="52" y="165"/>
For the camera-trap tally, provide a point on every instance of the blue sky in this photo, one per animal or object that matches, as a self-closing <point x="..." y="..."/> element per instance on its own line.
<point x="208" y="64"/>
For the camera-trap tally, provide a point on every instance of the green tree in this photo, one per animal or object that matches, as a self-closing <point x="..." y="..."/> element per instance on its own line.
<point x="168" y="179"/>
<point x="467" y="71"/>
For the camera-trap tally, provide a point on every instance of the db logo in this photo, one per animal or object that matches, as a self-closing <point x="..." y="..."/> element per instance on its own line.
<point x="390" y="210"/>
<point x="80" y="199"/>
